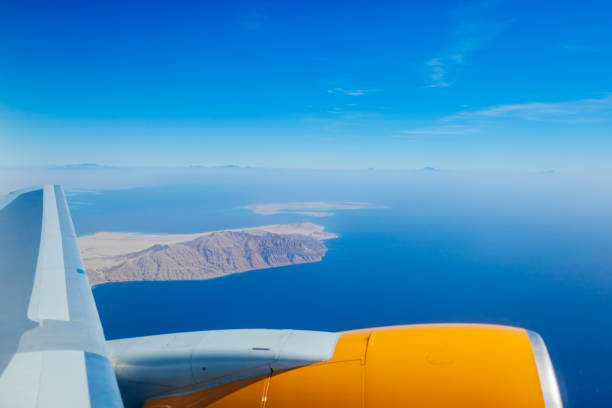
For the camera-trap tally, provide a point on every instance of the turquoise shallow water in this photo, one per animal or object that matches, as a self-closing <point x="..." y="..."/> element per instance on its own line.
<point x="436" y="258"/>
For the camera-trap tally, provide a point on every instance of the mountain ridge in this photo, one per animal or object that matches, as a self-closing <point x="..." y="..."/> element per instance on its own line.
<point x="210" y="255"/>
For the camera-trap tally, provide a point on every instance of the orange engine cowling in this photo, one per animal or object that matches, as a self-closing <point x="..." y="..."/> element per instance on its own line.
<point x="403" y="366"/>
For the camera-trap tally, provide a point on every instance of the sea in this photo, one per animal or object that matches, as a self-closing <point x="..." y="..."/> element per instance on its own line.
<point x="531" y="253"/>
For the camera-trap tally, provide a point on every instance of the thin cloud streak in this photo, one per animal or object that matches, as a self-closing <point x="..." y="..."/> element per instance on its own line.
<point x="438" y="131"/>
<point x="350" y="92"/>
<point x="473" y="31"/>
<point x="438" y="73"/>
<point x="582" y="110"/>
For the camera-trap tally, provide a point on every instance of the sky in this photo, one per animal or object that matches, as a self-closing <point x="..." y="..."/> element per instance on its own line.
<point x="479" y="86"/>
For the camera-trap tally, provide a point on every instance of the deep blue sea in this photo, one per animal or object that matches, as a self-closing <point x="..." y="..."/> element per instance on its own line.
<point x="528" y="256"/>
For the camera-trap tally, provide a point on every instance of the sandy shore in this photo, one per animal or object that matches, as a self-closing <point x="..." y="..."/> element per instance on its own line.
<point x="310" y="208"/>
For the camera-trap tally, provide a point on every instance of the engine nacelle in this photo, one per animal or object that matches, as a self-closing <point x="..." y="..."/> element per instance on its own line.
<point x="450" y="365"/>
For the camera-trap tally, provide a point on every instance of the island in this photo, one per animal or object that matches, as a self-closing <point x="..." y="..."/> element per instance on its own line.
<point x="121" y="257"/>
<point x="309" y="208"/>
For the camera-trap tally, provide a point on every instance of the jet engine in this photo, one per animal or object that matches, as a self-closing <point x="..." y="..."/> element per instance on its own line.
<point x="442" y="365"/>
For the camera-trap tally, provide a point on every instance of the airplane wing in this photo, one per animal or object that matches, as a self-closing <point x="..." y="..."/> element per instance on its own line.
<point x="52" y="348"/>
<point x="53" y="352"/>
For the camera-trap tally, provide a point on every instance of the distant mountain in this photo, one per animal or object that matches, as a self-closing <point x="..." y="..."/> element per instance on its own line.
<point x="208" y="256"/>
<point x="227" y="166"/>
<point x="81" y="166"/>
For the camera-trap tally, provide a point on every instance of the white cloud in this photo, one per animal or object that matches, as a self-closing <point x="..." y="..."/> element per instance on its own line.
<point x="336" y="110"/>
<point x="435" y="131"/>
<point x="349" y="92"/>
<point x="438" y="73"/>
<point x="582" y="110"/>
<point x="472" y="31"/>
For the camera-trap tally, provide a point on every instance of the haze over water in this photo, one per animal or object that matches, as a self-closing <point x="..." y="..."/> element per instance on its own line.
<point x="531" y="251"/>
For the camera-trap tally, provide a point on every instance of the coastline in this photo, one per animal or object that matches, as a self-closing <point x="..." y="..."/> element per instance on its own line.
<point x="120" y="257"/>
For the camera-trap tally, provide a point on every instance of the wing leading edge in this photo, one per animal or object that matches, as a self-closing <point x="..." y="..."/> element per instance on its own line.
<point x="52" y="347"/>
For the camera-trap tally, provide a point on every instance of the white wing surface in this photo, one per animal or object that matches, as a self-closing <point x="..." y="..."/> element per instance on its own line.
<point x="52" y="348"/>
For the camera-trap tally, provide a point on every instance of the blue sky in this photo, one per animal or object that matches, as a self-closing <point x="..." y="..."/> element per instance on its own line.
<point x="483" y="85"/>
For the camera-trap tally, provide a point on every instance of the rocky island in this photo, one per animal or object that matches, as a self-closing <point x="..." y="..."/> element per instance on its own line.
<point x="120" y="257"/>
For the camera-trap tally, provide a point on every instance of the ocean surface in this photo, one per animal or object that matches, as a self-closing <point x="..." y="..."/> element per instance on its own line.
<point x="526" y="256"/>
